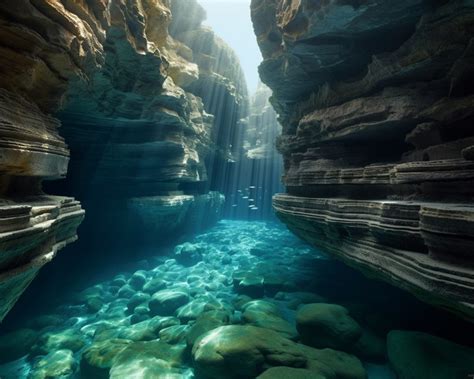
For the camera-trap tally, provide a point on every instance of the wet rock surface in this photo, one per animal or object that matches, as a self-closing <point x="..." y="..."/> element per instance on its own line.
<point x="375" y="112"/>
<point x="195" y="324"/>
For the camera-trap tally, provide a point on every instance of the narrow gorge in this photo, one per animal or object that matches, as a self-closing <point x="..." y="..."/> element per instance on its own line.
<point x="167" y="212"/>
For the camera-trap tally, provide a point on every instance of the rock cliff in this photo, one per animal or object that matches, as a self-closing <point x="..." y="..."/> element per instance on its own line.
<point x="376" y="104"/>
<point x="139" y="130"/>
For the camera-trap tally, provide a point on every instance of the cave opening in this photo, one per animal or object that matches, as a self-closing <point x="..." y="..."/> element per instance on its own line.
<point x="236" y="189"/>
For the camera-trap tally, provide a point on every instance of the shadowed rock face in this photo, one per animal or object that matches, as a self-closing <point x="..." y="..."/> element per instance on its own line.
<point x="108" y="79"/>
<point x="376" y="109"/>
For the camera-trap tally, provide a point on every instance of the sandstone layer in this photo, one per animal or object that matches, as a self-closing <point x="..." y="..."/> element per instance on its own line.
<point x="376" y="107"/>
<point x="104" y="88"/>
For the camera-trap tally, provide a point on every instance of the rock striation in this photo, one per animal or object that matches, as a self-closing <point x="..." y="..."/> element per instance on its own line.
<point x="376" y="110"/>
<point x="111" y="80"/>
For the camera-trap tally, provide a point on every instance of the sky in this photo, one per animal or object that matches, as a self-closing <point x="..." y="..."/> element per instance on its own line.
<point x="230" y="19"/>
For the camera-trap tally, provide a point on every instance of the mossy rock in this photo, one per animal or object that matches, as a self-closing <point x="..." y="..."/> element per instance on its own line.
<point x="174" y="334"/>
<point x="416" y="355"/>
<point x="236" y="351"/>
<point x="98" y="358"/>
<point x="52" y="341"/>
<point x="204" y="323"/>
<point x="283" y="372"/>
<point x="330" y="362"/>
<point x="149" y="360"/>
<point x="166" y="302"/>
<point x="57" y="364"/>
<point x="267" y="315"/>
<point x="324" y="325"/>
<point x="154" y="285"/>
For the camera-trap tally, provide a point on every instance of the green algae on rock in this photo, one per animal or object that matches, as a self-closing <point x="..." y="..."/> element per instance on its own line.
<point x="327" y="325"/>
<point x="148" y="360"/>
<point x="237" y="351"/>
<point x="56" y="364"/>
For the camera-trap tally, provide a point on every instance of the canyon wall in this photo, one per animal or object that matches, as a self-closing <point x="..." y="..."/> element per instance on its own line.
<point x="376" y="103"/>
<point x="104" y="87"/>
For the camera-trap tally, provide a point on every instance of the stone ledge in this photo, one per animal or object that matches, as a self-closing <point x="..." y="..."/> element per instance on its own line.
<point x="41" y="226"/>
<point x="402" y="242"/>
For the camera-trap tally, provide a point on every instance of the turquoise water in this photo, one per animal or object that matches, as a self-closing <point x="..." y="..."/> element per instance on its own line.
<point x="238" y="278"/>
<point x="217" y="270"/>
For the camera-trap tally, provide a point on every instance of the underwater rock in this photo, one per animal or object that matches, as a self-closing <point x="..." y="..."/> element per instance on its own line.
<point x="267" y="315"/>
<point x="137" y="299"/>
<point x="416" y="355"/>
<point x="146" y="330"/>
<point x="126" y="291"/>
<point x="328" y="362"/>
<point x="67" y="339"/>
<point x="204" y="323"/>
<point x="295" y="299"/>
<point x="174" y="334"/>
<point x="98" y="358"/>
<point x="187" y="254"/>
<point x="240" y="352"/>
<point x="166" y="302"/>
<point x="94" y="304"/>
<point x="236" y="351"/>
<point x="248" y="283"/>
<point x="56" y="364"/>
<point x="197" y="307"/>
<point x="154" y="285"/>
<point x="137" y="280"/>
<point x="16" y="344"/>
<point x="375" y="109"/>
<point x="282" y="372"/>
<point x="144" y="360"/>
<point x="327" y="325"/>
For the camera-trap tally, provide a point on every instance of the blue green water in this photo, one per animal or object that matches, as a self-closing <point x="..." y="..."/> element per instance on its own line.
<point x="237" y="273"/>
<point x="279" y="268"/>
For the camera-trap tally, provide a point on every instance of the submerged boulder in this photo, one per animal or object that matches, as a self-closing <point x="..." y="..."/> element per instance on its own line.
<point x="327" y="325"/>
<point x="57" y="364"/>
<point x="166" y="302"/>
<point x="283" y="372"/>
<point x="59" y="340"/>
<point x="267" y="315"/>
<point x="237" y="351"/>
<point x="148" y="360"/>
<point x="187" y="254"/>
<point x="154" y="285"/>
<point x="204" y="323"/>
<point x="98" y="358"/>
<point x="416" y="355"/>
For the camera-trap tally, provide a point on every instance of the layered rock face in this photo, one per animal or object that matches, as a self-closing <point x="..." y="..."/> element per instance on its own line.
<point x="143" y="131"/>
<point x="124" y="92"/>
<point x="376" y="107"/>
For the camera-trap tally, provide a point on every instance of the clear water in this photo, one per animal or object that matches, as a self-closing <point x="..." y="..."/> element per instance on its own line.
<point x="283" y="265"/>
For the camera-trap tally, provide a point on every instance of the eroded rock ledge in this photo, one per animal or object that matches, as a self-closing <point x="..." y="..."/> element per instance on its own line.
<point x="126" y="97"/>
<point x="376" y="108"/>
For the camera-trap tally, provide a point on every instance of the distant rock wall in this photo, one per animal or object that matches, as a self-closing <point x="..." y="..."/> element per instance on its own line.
<point x="124" y="92"/>
<point x="376" y="103"/>
<point x="257" y="175"/>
